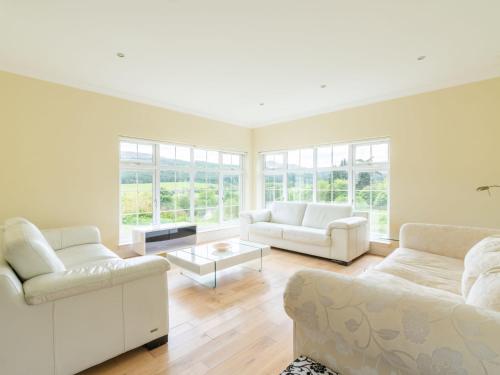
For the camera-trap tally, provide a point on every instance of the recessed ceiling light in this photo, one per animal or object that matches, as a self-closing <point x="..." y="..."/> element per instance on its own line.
<point x="323" y="86"/>
<point x="420" y="58"/>
<point x="261" y="104"/>
<point x="120" y="55"/>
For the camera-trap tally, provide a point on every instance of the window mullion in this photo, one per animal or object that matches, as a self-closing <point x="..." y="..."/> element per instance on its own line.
<point x="350" y="175"/>
<point x="285" y="177"/>
<point x="314" y="173"/>
<point x="191" y="187"/>
<point x="221" y="192"/>
<point x="157" y="186"/>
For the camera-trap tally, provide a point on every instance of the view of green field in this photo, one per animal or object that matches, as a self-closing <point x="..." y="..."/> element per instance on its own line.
<point x="332" y="187"/>
<point x="137" y="197"/>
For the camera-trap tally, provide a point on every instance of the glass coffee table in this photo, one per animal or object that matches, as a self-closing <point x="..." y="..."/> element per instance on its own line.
<point x="202" y="262"/>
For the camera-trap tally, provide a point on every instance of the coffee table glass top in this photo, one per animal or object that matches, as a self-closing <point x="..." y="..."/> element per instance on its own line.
<point x="205" y="260"/>
<point x="203" y="254"/>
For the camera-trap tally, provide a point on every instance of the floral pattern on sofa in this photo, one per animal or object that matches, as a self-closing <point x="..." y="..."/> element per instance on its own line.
<point x="361" y="326"/>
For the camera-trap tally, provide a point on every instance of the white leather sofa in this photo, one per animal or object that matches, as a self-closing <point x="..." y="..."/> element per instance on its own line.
<point x="324" y="230"/>
<point x="68" y="303"/>
<point x="431" y="307"/>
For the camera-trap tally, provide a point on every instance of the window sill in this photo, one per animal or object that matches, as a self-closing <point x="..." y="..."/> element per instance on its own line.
<point x="218" y="227"/>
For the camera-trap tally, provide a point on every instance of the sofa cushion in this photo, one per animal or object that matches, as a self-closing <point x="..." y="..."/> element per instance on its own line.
<point x="28" y="252"/>
<point x="398" y="283"/>
<point x="320" y="215"/>
<point x="290" y="213"/>
<point x="307" y="235"/>
<point x="486" y="291"/>
<point x="273" y="230"/>
<point x="82" y="254"/>
<point x="425" y="269"/>
<point x="482" y="257"/>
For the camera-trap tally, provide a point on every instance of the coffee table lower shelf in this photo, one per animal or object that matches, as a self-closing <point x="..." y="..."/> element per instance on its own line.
<point x="203" y="262"/>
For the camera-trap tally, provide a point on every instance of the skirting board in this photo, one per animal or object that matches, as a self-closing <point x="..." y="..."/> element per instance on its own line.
<point x="382" y="248"/>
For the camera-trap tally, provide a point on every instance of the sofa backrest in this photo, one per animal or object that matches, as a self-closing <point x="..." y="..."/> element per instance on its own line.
<point x="449" y="240"/>
<point x="71" y="236"/>
<point x="291" y="213"/>
<point x="319" y="215"/>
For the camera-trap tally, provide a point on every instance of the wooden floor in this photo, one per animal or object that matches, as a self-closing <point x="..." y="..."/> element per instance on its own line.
<point x="238" y="328"/>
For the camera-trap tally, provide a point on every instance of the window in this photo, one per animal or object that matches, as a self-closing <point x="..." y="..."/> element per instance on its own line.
<point x="301" y="158"/>
<point x="174" y="196"/>
<point x="356" y="173"/>
<point x="300" y="186"/>
<point x="136" y="152"/>
<point x="333" y="187"/>
<point x="231" y="161"/>
<point x="371" y="192"/>
<point x="232" y="197"/>
<point x="137" y="197"/>
<point x="273" y="189"/>
<point x="274" y="161"/>
<point x="332" y="156"/>
<point x="166" y="183"/>
<point x="206" y="204"/>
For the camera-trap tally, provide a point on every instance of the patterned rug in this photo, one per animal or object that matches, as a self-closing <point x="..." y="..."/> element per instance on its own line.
<point x="306" y="366"/>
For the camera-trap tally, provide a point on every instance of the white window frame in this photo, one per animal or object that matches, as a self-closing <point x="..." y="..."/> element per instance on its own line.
<point x="352" y="168"/>
<point x="191" y="169"/>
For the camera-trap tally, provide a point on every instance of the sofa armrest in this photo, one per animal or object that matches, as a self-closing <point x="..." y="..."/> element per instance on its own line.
<point x="256" y="216"/>
<point x="350" y="238"/>
<point x="346" y="223"/>
<point x="84" y="279"/>
<point x="61" y="238"/>
<point x="448" y="240"/>
<point x="249" y="217"/>
<point x="346" y="322"/>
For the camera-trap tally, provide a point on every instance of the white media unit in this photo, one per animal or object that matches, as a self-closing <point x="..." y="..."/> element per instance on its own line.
<point x="163" y="238"/>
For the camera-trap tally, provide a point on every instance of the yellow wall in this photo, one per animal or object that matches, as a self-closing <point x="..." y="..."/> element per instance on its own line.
<point x="443" y="145"/>
<point x="59" y="150"/>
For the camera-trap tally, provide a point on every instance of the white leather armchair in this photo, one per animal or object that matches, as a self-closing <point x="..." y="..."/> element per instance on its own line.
<point x="94" y="308"/>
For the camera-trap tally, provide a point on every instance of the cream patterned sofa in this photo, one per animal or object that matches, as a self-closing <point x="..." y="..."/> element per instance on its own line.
<point x="68" y="303"/>
<point x="430" y="308"/>
<point x="324" y="230"/>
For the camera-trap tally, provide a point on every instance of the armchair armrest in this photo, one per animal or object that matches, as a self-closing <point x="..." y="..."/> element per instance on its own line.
<point x="79" y="280"/>
<point x="448" y="240"/>
<point x="60" y="238"/>
<point x="346" y="322"/>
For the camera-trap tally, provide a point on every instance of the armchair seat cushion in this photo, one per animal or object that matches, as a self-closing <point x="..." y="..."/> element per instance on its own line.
<point x="307" y="235"/>
<point x="273" y="230"/>
<point x="425" y="269"/>
<point x="78" y="255"/>
<point x="90" y="277"/>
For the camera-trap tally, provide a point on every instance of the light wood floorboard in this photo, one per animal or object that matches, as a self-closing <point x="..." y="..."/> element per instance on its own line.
<point x="238" y="328"/>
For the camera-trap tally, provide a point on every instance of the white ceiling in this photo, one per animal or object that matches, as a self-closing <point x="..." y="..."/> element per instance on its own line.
<point x="221" y="58"/>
